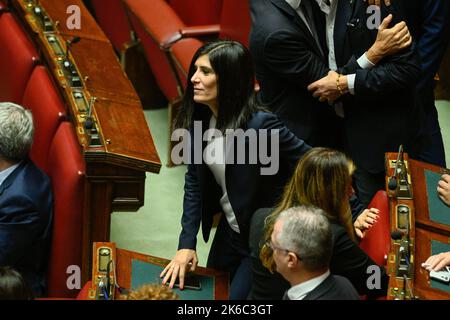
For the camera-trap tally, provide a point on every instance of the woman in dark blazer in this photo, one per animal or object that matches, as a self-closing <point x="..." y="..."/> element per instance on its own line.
<point x="322" y="179"/>
<point x="229" y="133"/>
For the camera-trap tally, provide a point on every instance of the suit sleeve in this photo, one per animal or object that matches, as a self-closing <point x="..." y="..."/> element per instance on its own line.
<point x="190" y="221"/>
<point x="394" y="73"/>
<point x="435" y="36"/>
<point x="291" y="148"/>
<point x="351" y="262"/>
<point x="19" y="226"/>
<point x="192" y="201"/>
<point x="289" y="56"/>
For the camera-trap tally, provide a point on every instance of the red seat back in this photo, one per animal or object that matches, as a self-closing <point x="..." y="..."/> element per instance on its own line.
<point x="377" y="240"/>
<point x="182" y="53"/>
<point x="155" y="24"/>
<point x="111" y="17"/>
<point x="66" y="171"/>
<point x="197" y="12"/>
<point x="17" y="59"/>
<point x="48" y="111"/>
<point x="235" y="21"/>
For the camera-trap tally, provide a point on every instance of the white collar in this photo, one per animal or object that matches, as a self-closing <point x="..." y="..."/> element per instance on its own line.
<point x="299" y="291"/>
<point x="324" y="7"/>
<point x="294" y="3"/>
<point x="6" y="172"/>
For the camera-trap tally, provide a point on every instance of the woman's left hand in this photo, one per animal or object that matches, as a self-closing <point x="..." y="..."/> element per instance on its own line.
<point x="365" y="221"/>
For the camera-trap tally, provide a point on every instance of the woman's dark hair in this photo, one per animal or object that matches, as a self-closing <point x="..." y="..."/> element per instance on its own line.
<point x="233" y="66"/>
<point x="13" y="286"/>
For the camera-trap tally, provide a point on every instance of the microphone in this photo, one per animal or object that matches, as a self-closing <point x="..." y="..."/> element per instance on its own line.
<point x="69" y="43"/>
<point x="397" y="235"/>
<point x="392" y="183"/>
<point x="89" y="123"/>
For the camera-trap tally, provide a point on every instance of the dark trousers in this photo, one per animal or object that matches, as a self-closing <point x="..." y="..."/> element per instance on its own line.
<point x="230" y="253"/>
<point x="432" y="146"/>
<point x="367" y="184"/>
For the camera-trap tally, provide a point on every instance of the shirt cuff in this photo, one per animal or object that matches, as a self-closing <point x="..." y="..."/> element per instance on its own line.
<point x="365" y="63"/>
<point x="351" y="83"/>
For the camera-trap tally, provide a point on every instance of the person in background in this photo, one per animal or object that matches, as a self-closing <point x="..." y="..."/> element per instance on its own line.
<point x="374" y="97"/>
<point x="26" y="200"/>
<point x="13" y="286"/>
<point x="221" y="96"/>
<point x="151" y="292"/>
<point x="429" y="22"/>
<point x="302" y="244"/>
<point x="322" y="179"/>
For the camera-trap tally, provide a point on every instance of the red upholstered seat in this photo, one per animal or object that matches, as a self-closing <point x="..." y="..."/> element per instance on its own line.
<point x="197" y="12"/>
<point x="42" y="98"/>
<point x="182" y="53"/>
<point x="111" y="17"/>
<point x="377" y="240"/>
<point x="157" y="26"/>
<point x="235" y="21"/>
<point x="17" y="59"/>
<point x="67" y="173"/>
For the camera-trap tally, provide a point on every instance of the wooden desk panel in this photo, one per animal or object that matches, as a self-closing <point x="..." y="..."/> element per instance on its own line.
<point x="421" y="200"/>
<point x="422" y="286"/>
<point x="57" y="9"/>
<point x="125" y="257"/>
<point x="422" y="232"/>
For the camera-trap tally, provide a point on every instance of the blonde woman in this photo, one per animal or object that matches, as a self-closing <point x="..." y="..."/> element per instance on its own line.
<point x="322" y="179"/>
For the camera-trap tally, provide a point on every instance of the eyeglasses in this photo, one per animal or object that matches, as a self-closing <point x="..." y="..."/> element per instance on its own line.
<point x="273" y="247"/>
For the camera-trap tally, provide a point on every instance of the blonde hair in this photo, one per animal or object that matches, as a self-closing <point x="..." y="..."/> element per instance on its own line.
<point x="322" y="179"/>
<point x="151" y="292"/>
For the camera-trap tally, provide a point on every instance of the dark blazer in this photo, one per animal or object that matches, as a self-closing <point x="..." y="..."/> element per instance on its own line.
<point x="26" y="210"/>
<point x="287" y="59"/>
<point x="332" y="288"/>
<point x="247" y="188"/>
<point x="382" y="114"/>
<point x="348" y="260"/>
<point x="428" y="21"/>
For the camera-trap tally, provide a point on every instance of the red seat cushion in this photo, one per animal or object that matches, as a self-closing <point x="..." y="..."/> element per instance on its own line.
<point x="111" y="17"/>
<point x="48" y="111"/>
<point x="155" y="30"/>
<point x="377" y="240"/>
<point x="197" y="12"/>
<point x="66" y="171"/>
<point x="17" y="59"/>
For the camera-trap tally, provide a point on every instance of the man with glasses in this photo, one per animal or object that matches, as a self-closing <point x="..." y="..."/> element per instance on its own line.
<point x="302" y="246"/>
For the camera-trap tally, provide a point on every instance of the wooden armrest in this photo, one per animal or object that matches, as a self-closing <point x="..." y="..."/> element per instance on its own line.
<point x="203" y="30"/>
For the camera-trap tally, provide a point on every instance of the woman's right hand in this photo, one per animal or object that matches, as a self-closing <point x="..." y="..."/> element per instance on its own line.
<point x="184" y="259"/>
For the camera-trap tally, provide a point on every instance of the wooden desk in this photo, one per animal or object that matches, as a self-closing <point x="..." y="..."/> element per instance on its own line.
<point x="124" y="261"/>
<point x="422" y="232"/>
<point x="116" y="164"/>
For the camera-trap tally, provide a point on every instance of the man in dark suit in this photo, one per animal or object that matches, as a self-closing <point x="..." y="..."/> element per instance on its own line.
<point x="429" y="22"/>
<point x="302" y="246"/>
<point x="287" y="41"/>
<point x="25" y="200"/>
<point x="379" y="112"/>
<point x="287" y="58"/>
